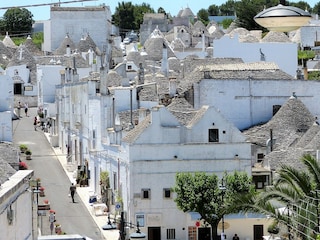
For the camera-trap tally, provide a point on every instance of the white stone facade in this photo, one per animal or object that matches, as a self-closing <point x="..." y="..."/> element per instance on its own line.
<point x="16" y="215"/>
<point x="77" y="22"/>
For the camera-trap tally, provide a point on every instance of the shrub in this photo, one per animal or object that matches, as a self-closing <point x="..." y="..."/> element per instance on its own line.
<point x="28" y="152"/>
<point x="23" y="147"/>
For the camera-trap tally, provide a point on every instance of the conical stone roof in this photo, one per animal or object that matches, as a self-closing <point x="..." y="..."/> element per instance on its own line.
<point x="62" y="49"/>
<point x="291" y="121"/>
<point x="7" y="41"/>
<point x="32" y="48"/>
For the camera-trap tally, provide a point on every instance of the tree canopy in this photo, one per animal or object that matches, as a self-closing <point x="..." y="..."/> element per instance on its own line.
<point x="128" y="17"/>
<point x="17" y="21"/>
<point x="210" y="197"/>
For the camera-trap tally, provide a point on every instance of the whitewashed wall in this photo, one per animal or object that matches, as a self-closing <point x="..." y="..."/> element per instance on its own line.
<point x="249" y="102"/>
<point x="285" y="55"/>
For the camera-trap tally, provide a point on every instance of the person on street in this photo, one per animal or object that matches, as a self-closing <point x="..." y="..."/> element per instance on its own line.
<point x="35" y="122"/>
<point x="19" y="109"/>
<point x="235" y="237"/>
<point x="72" y="191"/>
<point x="26" y="107"/>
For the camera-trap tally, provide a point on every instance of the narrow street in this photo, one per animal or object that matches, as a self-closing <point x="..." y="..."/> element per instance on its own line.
<point x="73" y="217"/>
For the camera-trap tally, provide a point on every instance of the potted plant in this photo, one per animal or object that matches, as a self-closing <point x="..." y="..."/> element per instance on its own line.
<point x="41" y="194"/>
<point x="23" y="166"/>
<point x="28" y="154"/>
<point x="23" y="148"/>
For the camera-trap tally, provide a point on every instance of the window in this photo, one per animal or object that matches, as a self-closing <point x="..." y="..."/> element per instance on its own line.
<point x="145" y="193"/>
<point x="140" y="220"/>
<point x="260" y="157"/>
<point x="213" y="135"/>
<point x="171" y="233"/>
<point x="166" y="193"/>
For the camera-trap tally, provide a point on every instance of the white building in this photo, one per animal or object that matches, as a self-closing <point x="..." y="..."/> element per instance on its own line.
<point x="6" y="107"/>
<point x="16" y="212"/>
<point x="77" y="22"/>
<point x="159" y="147"/>
<point x="284" y="54"/>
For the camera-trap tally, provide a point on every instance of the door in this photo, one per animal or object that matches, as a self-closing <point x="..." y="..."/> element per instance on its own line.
<point x="204" y="233"/>
<point x="257" y="232"/>
<point x="154" y="233"/>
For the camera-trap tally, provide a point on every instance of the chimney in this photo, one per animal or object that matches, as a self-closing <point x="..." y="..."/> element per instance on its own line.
<point x="203" y="42"/>
<point x="172" y="87"/>
<point x="140" y="74"/>
<point x="164" y="63"/>
<point x="103" y="81"/>
<point x="63" y="76"/>
<point x="68" y="50"/>
<point x="90" y="52"/>
<point x="142" y="114"/>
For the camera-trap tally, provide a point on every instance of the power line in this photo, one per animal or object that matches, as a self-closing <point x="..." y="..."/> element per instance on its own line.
<point x="46" y="4"/>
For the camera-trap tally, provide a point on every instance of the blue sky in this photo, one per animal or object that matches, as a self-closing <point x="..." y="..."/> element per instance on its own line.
<point x="171" y="6"/>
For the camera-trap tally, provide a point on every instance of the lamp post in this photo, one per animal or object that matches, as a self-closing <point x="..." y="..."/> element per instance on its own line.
<point x="223" y="189"/>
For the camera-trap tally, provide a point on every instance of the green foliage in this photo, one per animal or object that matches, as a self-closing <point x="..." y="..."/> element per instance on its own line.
<point x="139" y="11"/>
<point x="200" y="192"/>
<point x="314" y="75"/>
<point x="129" y="17"/>
<point x="302" y="5"/>
<point x="316" y="8"/>
<point x="203" y="16"/>
<point x="17" y="21"/>
<point x="104" y="178"/>
<point x="305" y="54"/>
<point x="213" y="10"/>
<point x="273" y="228"/>
<point x="226" y="23"/>
<point x="28" y="152"/>
<point x="228" y="8"/>
<point x="23" y="147"/>
<point x="246" y="11"/>
<point x="161" y="10"/>
<point x="295" y="187"/>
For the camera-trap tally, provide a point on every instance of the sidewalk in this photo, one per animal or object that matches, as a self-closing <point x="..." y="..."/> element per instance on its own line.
<point x="84" y="193"/>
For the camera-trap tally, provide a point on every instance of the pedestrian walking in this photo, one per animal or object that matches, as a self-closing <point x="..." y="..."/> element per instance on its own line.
<point x="19" y="109"/>
<point x="72" y="191"/>
<point x="26" y="107"/>
<point x="235" y="237"/>
<point x="35" y="122"/>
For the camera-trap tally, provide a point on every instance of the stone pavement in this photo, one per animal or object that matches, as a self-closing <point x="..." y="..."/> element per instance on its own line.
<point x="83" y="194"/>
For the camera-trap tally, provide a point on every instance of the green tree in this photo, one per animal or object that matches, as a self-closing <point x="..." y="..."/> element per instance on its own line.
<point x="202" y="193"/>
<point x="226" y="22"/>
<point x="203" y="16"/>
<point x="316" y="8"/>
<point x="139" y="11"/>
<point x="228" y="8"/>
<point x="124" y="17"/>
<point x="213" y="10"/>
<point x="246" y="10"/>
<point x="18" y="21"/>
<point x="161" y="10"/>
<point x="302" y="5"/>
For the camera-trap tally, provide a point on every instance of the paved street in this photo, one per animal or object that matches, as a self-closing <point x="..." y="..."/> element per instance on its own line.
<point x="74" y="217"/>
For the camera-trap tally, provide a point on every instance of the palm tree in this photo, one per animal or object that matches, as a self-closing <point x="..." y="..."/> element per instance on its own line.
<point x="296" y="191"/>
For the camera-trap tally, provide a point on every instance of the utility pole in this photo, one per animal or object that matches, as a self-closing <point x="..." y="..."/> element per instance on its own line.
<point x="122" y="224"/>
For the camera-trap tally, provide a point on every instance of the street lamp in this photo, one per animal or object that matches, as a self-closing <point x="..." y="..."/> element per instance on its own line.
<point x="223" y="189"/>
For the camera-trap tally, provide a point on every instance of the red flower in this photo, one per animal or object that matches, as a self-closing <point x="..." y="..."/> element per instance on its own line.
<point x="23" y="166"/>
